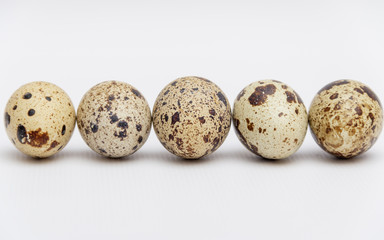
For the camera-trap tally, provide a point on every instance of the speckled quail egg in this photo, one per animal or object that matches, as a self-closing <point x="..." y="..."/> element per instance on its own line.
<point x="346" y="118"/>
<point x="39" y="119"/>
<point x="270" y="119"/>
<point x="114" y="119"/>
<point x="191" y="117"/>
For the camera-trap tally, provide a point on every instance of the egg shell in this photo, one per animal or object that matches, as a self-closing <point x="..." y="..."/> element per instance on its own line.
<point x="191" y="117"/>
<point x="114" y="119"/>
<point x="346" y="118"/>
<point x="39" y="119"/>
<point x="270" y="119"/>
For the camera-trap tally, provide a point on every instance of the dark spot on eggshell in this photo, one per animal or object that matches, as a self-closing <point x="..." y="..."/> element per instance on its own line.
<point x="102" y="150"/>
<point x="14" y="107"/>
<point x="202" y="120"/>
<point x="337" y="106"/>
<point x="260" y="130"/>
<point x="31" y="112"/>
<point x="327" y="109"/>
<point x="37" y="138"/>
<point x="114" y="118"/>
<point x="178" y="103"/>
<point x="370" y="115"/>
<point x="174" y="83"/>
<point x="259" y="96"/>
<point x="206" y="138"/>
<point x="250" y="124"/>
<point x="138" y="127"/>
<point x="135" y="147"/>
<point x="63" y="129"/>
<point x="281" y="114"/>
<point x="7" y="119"/>
<point x="328" y="130"/>
<point x="27" y="95"/>
<point x="121" y="135"/>
<point x="290" y="97"/>
<point x="334" y="96"/>
<point x="215" y="143"/>
<point x="253" y="149"/>
<point x="53" y="145"/>
<point x="222" y="98"/>
<point x="358" y="90"/>
<point x="140" y="139"/>
<point x="332" y="84"/>
<point x="166" y="117"/>
<point x="195" y="89"/>
<point x="122" y="124"/>
<point x="21" y="134"/>
<point x="175" y="118"/>
<point x="240" y="95"/>
<point x="284" y="86"/>
<point x="111" y="97"/>
<point x="297" y="111"/>
<point x="358" y="111"/>
<point x="94" y="128"/>
<point x="166" y="92"/>
<point x="136" y="92"/>
<point x="170" y="137"/>
<point x="182" y="90"/>
<point x="126" y="98"/>
<point x="371" y="94"/>
<point x="179" y="142"/>
<point x="212" y="112"/>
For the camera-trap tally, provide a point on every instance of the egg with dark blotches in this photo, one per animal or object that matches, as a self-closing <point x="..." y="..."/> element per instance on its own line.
<point x="270" y="119"/>
<point x="39" y="119"/>
<point x="191" y="117"/>
<point x="114" y="119"/>
<point x="346" y="118"/>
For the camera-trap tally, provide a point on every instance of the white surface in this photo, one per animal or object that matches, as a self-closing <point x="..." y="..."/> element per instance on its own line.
<point x="230" y="194"/>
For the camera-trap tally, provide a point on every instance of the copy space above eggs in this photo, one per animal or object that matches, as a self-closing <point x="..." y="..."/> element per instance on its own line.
<point x="39" y="119"/>
<point x="346" y="118"/>
<point x="191" y="117"/>
<point x="270" y="119"/>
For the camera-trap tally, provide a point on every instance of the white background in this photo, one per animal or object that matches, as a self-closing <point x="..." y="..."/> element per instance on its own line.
<point x="152" y="194"/>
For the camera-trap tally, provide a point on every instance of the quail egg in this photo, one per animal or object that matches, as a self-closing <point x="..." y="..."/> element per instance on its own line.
<point x="346" y="118"/>
<point x="270" y="119"/>
<point x="114" y="119"/>
<point x="191" y="117"/>
<point x="39" y="119"/>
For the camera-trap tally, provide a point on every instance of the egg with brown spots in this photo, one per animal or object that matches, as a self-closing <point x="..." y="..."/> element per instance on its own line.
<point x="39" y="119"/>
<point x="270" y="119"/>
<point x="346" y="118"/>
<point x="114" y="119"/>
<point x="191" y="117"/>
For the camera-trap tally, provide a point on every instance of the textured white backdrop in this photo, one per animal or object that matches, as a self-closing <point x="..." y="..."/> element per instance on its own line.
<point x="230" y="194"/>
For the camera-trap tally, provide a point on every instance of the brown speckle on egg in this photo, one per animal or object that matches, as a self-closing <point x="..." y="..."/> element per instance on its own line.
<point x="343" y="127"/>
<point x="269" y="119"/>
<point x="199" y="116"/>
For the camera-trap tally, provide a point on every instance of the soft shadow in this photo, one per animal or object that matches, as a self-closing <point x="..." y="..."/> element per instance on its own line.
<point x="88" y="154"/>
<point x="15" y="155"/>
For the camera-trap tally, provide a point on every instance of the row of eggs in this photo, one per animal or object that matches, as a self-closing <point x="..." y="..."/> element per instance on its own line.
<point x="192" y="118"/>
